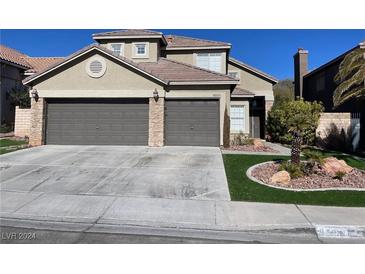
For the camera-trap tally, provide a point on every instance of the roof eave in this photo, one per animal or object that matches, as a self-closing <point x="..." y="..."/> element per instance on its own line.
<point x="186" y="83"/>
<point x="192" y="48"/>
<point x="14" y="64"/>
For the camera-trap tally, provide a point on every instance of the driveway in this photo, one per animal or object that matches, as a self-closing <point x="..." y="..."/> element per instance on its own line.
<point x="168" y="172"/>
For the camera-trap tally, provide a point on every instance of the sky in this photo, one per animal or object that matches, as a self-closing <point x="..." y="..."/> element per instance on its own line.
<point x="268" y="50"/>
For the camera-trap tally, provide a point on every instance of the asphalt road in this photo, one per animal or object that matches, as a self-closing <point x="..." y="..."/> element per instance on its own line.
<point x="12" y="235"/>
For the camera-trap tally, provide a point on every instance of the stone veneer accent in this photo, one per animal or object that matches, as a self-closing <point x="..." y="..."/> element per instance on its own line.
<point x="268" y="106"/>
<point x="22" y="122"/>
<point x="156" y="122"/>
<point x="37" y="122"/>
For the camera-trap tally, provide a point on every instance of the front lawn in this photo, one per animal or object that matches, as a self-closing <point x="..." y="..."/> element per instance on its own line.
<point x="9" y="145"/>
<point x="243" y="189"/>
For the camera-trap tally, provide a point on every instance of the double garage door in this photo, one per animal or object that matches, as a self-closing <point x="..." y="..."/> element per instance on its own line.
<point x="125" y="122"/>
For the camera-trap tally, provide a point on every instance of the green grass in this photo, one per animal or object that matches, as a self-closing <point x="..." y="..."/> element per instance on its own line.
<point x="8" y="145"/>
<point x="243" y="189"/>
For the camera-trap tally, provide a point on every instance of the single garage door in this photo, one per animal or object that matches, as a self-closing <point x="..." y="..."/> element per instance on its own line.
<point x="192" y="122"/>
<point x="97" y="122"/>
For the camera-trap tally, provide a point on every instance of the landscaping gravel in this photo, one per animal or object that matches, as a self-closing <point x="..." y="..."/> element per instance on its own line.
<point x="317" y="180"/>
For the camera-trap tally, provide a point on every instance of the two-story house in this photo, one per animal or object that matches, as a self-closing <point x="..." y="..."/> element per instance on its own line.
<point x="141" y="87"/>
<point x="319" y="85"/>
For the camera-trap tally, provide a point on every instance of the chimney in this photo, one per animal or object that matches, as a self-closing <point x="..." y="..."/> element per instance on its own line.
<point x="300" y="69"/>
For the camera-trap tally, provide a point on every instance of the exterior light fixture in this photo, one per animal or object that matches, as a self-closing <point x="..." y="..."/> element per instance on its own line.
<point x="34" y="94"/>
<point x="155" y="95"/>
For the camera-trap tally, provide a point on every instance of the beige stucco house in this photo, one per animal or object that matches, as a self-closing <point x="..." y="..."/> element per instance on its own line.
<point x="140" y="87"/>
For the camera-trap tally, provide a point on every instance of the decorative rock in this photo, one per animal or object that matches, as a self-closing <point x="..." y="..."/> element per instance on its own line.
<point x="257" y="143"/>
<point x="332" y="165"/>
<point x="281" y="177"/>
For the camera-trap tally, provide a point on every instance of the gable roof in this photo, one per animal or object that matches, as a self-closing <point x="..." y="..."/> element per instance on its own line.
<point x="29" y="64"/>
<point x="177" y="42"/>
<point x="13" y="56"/>
<point x="164" y="71"/>
<point x="336" y="59"/>
<point x="268" y="77"/>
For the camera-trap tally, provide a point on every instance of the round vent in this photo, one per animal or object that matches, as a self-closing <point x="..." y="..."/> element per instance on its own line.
<point x="96" y="67"/>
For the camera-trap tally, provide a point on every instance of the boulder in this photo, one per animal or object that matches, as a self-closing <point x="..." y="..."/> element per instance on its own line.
<point x="257" y="142"/>
<point x="281" y="178"/>
<point x="332" y="165"/>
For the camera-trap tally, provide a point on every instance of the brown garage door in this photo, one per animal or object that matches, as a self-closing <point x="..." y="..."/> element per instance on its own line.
<point x="192" y="122"/>
<point x="97" y="122"/>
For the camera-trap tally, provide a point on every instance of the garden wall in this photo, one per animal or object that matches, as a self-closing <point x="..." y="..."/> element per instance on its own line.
<point x="334" y="131"/>
<point x="22" y="122"/>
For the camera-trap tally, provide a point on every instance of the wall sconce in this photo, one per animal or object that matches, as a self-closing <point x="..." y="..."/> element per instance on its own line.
<point x="155" y="95"/>
<point x="34" y="94"/>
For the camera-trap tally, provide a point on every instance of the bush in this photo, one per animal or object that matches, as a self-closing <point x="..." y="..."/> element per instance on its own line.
<point x="295" y="171"/>
<point x="314" y="157"/>
<point x="339" y="175"/>
<point x="241" y="139"/>
<point x="279" y="126"/>
<point x="4" y="128"/>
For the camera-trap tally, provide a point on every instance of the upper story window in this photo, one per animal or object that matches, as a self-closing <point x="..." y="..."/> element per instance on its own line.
<point x="234" y="74"/>
<point x="140" y="50"/>
<point x="117" y="48"/>
<point x="210" y="61"/>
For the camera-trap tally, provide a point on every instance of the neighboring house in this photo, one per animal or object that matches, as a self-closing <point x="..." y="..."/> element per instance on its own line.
<point x="319" y="85"/>
<point x="141" y="87"/>
<point x="15" y="66"/>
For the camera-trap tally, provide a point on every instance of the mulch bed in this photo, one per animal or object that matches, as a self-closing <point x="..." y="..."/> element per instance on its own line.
<point x="318" y="179"/>
<point x="251" y="148"/>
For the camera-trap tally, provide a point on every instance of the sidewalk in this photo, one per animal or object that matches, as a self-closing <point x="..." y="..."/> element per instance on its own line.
<point x="202" y="217"/>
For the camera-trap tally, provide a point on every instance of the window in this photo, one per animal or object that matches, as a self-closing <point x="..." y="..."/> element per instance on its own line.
<point x="140" y="50"/>
<point x="210" y="61"/>
<point x="237" y="119"/>
<point x="234" y="74"/>
<point x="116" y="48"/>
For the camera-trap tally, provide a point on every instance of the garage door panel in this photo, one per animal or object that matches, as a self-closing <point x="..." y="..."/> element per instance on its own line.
<point x="97" y="121"/>
<point x="192" y="122"/>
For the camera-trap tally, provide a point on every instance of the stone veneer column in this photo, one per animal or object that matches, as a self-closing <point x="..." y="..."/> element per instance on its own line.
<point x="37" y="122"/>
<point x="268" y="106"/>
<point x="156" y="122"/>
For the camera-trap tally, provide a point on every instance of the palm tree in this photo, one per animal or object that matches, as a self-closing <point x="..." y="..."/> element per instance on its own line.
<point x="350" y="77"/>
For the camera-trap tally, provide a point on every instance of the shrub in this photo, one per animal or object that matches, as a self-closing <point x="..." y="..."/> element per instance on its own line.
<point x="314" y="157"/>
<point x="241" y="139"/>
<point x="20" y="97"/>
<point x="339" y="175"/>
<point x="4" y="128"/>
<point x="295" y="171"/>
<point x="279" y="122"/>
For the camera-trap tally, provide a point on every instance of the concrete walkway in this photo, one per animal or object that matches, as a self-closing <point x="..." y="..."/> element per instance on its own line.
<point x="203" y="218"/>
<point x="281" y="150"/>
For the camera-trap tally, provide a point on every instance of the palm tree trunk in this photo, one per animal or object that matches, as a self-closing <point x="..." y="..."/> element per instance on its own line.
<point x="295" y="148"/>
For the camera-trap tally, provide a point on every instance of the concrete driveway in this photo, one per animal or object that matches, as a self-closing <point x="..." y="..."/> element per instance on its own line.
<point x="168" y="172"/>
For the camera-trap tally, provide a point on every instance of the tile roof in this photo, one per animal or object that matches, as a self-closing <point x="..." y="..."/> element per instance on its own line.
<point x="128" y="32"/>
<point x="164" y="69"/>
<point x="13" y="56"/>
<point x="31" y="64"/>
<point x="174" y="71"/>
<point x="175" y="41"/>
<point x="40" y="63"/>
<point x="242" y="92"/>
<point x="255" y="70"/>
